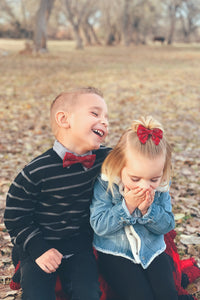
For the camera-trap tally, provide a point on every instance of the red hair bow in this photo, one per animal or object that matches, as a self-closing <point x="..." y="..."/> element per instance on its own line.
<point x="143" y="134"/>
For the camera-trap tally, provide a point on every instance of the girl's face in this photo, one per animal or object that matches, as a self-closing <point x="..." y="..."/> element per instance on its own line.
<point x="143" y="172"/>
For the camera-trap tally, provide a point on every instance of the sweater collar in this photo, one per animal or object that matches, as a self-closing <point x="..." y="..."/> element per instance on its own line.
<point x="61" y="150"/>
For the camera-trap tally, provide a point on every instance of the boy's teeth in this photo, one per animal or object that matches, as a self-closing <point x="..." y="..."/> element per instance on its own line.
<point x="98" y="132"/>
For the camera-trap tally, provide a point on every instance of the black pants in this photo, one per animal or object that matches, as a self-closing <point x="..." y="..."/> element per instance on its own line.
<point x="131" y="282"/>
<point x="78" y="274"/>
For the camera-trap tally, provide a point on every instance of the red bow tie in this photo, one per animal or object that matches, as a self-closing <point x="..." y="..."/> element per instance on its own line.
<point x="70" y="159"/>
<point x="144" y="133"/>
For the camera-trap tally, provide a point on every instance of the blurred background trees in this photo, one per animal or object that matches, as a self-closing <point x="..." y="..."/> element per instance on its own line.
<point x="107" y="22"/>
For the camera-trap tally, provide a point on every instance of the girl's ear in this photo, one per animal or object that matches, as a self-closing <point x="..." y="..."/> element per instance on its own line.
<point x="62" y="119"/>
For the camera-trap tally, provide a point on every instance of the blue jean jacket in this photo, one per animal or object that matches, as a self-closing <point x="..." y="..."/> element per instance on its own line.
<point x="110" y="218"/>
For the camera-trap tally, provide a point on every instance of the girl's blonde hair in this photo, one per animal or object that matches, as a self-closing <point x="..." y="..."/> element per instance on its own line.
<point x="116" y="159"/>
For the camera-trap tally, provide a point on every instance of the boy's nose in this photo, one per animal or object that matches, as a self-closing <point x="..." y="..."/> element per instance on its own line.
<point x="104" y="121"/>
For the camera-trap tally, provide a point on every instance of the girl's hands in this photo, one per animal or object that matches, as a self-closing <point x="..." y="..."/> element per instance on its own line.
<point x="134" y="197"/>
<point x="143" y="207"/>
<point x="138" y="198"/>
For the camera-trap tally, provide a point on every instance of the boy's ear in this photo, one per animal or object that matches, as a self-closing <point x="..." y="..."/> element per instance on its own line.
<point x="62" y="119"/>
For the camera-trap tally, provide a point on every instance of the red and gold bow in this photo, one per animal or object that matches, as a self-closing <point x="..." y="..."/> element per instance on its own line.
<point x="144" y="133"/>
<point x="70" y="159"/>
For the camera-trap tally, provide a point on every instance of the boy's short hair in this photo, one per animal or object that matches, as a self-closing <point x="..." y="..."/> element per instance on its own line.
<point x="71" y="96"/>
<point x="67" y="100"/>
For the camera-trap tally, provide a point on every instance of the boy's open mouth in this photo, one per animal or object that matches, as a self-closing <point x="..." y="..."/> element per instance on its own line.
<point x="99" y="132"/>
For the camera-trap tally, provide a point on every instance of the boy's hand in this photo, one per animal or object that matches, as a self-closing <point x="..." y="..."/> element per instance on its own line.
<point x="143" y="207"/>
<point x="50" y="260"/>
<point x="134" y="197"/>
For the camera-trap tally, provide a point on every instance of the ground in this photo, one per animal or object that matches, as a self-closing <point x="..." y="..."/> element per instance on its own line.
<point x="157" y="80"/>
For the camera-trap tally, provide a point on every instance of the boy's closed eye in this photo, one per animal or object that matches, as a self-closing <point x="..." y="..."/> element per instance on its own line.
<point x="94" y="113"/>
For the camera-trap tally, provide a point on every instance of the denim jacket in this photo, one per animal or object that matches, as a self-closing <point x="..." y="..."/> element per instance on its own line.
<point x="132" y="236"/>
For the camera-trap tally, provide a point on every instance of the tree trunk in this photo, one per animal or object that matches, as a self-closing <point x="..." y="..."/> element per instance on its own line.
<point x="171" y="31"/>
<point x="93" y="33"/>
<point x="79" y="41"/>
<point x="126" y="23"/>
<point x="86" y="33"/>
<point x="185" y="31"/>
<point x="172" y="11"/>
<point x="75" y="21"/>
<point x="42" y="17"/>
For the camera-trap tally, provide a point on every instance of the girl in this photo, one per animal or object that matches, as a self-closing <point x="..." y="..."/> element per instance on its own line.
<point x="131" y="211"/>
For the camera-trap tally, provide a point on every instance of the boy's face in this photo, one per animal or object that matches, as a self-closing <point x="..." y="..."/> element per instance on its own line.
<point x="88" y="123"/>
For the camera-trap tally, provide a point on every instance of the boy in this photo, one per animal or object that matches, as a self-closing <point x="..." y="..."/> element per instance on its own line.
<point x="47" y="208"/>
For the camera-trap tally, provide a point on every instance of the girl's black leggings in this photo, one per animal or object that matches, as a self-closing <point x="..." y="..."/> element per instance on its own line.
<point x="131" y="282"/>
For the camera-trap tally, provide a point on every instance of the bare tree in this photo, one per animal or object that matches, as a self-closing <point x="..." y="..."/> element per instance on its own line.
<point x="171" y="7"/>
<point x="87" y="24"/>
<point x="126" y="22"/>
<point x="77" y="12"/>
<point x="42" y="17"/>
<point x="189" y="14"/>
<point x="93" y="34"/>
<point x="7" y="11"/>
<point x="74" y="17"/>
<point x="146" y="15"/>
<point x="137" y="19"/>
<point x="16" y="16"/>
<point x="110" y="21"/>
<point x="140" y="20"/>
<point x="92" y="21"/>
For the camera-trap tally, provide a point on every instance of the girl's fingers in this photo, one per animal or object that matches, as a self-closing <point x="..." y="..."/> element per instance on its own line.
<point x="150" y="197"/>
<point x="139" y="191"/>
<point x="126" y="189"/>
<point x="136" y="191"/>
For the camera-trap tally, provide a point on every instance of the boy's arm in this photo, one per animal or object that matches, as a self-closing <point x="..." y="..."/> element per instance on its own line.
<point x="159" y="218"/>
<point x="19" y="215"/>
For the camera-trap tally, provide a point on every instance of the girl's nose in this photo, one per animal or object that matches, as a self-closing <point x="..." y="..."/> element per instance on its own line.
<point x="145" y="185"/>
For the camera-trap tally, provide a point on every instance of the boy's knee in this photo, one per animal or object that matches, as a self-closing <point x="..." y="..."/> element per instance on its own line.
<point x="84" y="292"/>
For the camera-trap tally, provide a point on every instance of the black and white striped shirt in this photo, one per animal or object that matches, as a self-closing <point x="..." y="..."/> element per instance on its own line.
<point x="48" y="205"/>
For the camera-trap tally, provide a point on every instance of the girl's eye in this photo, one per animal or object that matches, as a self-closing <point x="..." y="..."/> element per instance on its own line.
<point x="95" y="114"/>
<point x="154" y="180"/>
<point x="135" y="179"/>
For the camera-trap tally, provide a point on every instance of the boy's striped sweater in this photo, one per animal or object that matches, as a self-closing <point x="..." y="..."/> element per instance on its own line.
<point x="47" y="205"/>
